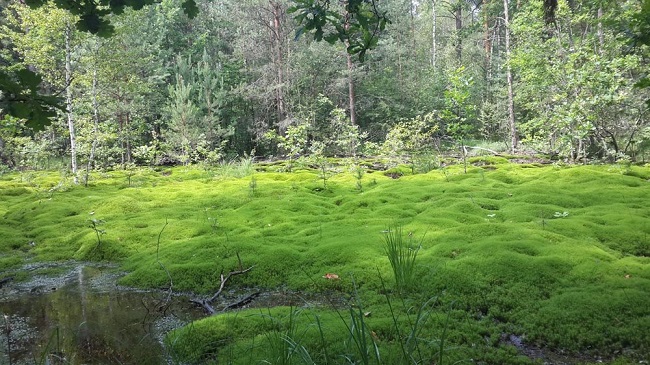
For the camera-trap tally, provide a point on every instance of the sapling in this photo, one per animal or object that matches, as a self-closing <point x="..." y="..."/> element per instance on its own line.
<point x="357" y="171"/>
<point x="131" y="169"/>
<point x="95" y="225"/>
<point x="320" y="161"/>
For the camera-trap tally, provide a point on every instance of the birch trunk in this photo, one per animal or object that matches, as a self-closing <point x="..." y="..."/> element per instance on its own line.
<point x="514" y="141"/>
<point x="68" y="100"/>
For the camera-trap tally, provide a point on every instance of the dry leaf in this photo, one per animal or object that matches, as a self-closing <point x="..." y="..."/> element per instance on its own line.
<point x="331" y="276"/>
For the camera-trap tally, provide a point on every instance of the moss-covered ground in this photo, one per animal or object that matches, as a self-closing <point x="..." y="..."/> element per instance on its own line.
<point x="515" y="260"/>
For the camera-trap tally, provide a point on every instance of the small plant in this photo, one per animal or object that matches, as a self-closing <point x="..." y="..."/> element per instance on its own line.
<point x="402" y="256"/>
<point x="238" y="168"/>
<point x="284" y="342"/>
<point x="357" y="171"/>
<point x="293" y="143"/>
<point x="131" y="170"/>
<point x="360" y="335"/>
<point x="252" y="186"/>
<point x="95" y="226"/>
<point x="560" y="214"/>
<point x="446" y="173"/>
<point x="325" y="171"/>
<point x="214" y="223"/>
<point x="410" y="341"/>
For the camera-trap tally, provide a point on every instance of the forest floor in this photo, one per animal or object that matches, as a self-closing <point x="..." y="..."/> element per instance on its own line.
<point x="513" y="263"/>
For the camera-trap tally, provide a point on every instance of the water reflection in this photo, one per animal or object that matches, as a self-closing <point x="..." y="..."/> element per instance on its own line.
<point x="80" y="323"/>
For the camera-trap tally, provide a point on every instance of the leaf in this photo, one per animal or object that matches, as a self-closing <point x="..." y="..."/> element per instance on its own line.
<point x="331" y="276"/>
<point x="299" y="32"/>
<point x="34" y="3"/>
<point x="20" y="109"/>
<point x="643" y="83"/>
<point x="190" y="8"/>
<point x="29" y="79"/>
<point x="331" y="38"/>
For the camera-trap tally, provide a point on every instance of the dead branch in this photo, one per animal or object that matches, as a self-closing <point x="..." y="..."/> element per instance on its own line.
<point x="484" y="149"/>
<point x="242" y="302"/>
<point x="6" y="280"/>
<point x="207" y="303"/>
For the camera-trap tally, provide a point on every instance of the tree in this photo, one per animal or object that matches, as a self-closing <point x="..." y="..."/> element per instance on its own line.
<point x="514" y="140"/>
<point x="580" y="104"/>
<point x="20" y="94"/>
<point x="46" y="41"/>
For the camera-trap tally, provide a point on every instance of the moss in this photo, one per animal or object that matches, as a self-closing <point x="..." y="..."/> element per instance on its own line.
<point x="491" y="244"/>
<point x="487" y="160"/>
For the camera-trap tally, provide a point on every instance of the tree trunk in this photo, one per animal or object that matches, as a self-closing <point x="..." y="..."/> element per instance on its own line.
<point x="458" y="15"/>
<point x="93" y="147"/>
<point x="487" y="43"/>
<point x="68" y="100"/>
<point x="412" y="9"/>
<point x="514" y="141"/>
<point x="434" y="30"/>
<point x="129" y="157"/>
<point x="601" y="37"/>
<point x="348" y="56"/>
<point x="276" y="10"/>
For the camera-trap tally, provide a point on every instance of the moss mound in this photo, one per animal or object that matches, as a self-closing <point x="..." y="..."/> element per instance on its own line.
<point x="556" y="255"/>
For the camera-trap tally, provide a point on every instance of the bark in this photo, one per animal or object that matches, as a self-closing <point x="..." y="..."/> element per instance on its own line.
<point x="350" y="64"/>
<point x="207" y="303"/>
<point x="601" y="37"/>
<point x="434" y="30"/>
<point x="514" y="141"/>
<point x="276" y="11"/>
<point x="487" y="41"/>
<point x="68" y="101"/>
<point x="93" y="148"/>
<point x="412" y="9"/>
<point x="458" y="15"/>
<point x="129" y="156"/>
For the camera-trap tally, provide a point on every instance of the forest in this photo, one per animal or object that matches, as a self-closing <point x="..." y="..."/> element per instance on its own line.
<point x="243" y="78"/>
<point x="376" y="182"/>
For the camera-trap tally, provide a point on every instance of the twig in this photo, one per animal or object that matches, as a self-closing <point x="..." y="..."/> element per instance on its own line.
<point x="225" y="279"/>
<point x="242" y="302"/>
<point x="484" y="149"/>
<point x="171" y="282"/>
<point x="207" y="303"/>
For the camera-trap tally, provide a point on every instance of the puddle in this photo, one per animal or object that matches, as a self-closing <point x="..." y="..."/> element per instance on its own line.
<point x="81" y="317"/>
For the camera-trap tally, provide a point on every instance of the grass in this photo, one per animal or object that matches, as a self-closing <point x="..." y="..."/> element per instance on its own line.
<point x="577" y="284"/>
<point x="402" y="256"/>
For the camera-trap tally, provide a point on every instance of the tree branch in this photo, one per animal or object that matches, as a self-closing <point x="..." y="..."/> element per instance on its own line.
<point x="207" y="303"/>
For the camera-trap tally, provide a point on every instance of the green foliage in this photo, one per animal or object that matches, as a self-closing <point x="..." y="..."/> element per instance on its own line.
<point x="581" y="103"/>
<point x="357" y="25"/>
<point x="402" y="255"/>
<point x="460" y="112"/>
<point x="20" y="97"/>
<point x="412" y="140"/>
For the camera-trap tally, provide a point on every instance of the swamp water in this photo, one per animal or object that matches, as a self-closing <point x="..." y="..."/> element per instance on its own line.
<point x="82" y="317"/>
